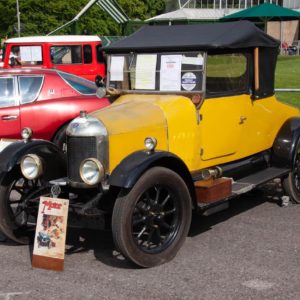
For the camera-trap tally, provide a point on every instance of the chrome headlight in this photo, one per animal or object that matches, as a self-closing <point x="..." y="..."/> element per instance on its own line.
<point x="31" y="166"/>
<point x="150" y="143"/>
<point x="26" y="133"/>
<point x="91" y="171"/>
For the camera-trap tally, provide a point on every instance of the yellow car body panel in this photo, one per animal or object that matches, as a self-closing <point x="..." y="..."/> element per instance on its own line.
<point x="220" y="129"/>
<point x="183" y="128"/>
<point x="236" y="127"/>
<point x="129" y="120"/>
<point x="224" y="130"/>
<point x="264" y="119"/>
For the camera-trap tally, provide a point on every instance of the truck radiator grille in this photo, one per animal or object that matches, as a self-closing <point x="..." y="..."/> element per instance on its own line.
<point x="78" y="149"/>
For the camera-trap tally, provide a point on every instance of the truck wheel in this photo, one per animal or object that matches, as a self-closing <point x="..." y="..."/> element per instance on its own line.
<point x="19" y="199"/>
<point x="151" y="221"/>
<point x="291" y="184"/>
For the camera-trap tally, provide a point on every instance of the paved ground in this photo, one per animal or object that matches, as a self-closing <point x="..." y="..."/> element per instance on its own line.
<point x="251" y="251"/>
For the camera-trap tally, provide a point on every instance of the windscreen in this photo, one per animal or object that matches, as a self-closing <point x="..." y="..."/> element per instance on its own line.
<point x="163" y="72"/>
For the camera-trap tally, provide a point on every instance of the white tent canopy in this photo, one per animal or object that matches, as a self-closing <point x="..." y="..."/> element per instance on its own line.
<point x="193" y="14"/>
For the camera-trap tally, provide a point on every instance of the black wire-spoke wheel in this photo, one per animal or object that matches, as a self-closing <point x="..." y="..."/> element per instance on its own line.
<point x="151" y="221"/>
<point x="155" y="219"/>
<point x="19" y="200"/>
<point x="291" y="184"/>
<point x="296" y="173"/>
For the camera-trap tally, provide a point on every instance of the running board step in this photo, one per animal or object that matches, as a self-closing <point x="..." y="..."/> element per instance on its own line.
<point x="248" y="183"/>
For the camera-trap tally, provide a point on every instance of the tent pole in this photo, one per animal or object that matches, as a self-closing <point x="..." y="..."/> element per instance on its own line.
<point x="281" y="36"/>
<point x="266" y="25"/>
<point x="256" y="69"/>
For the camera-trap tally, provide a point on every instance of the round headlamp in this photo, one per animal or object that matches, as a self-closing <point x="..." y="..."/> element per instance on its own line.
<point x="31" y="166"/>
<point x="26" y="133"/>
<point x="91" y="171"/>
<point x="150" y="143"/>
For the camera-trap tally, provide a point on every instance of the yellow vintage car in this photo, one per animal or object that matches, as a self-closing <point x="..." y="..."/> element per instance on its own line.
<point x="193" y="123"/>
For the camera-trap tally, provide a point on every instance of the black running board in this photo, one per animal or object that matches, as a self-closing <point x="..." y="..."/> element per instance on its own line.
<point x="248" y="183"/>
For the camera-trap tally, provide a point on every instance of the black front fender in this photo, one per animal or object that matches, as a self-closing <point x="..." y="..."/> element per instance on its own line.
<point x="54" y="162"/>
<point x="286" y="142"/>
<point x="127" y="173"/>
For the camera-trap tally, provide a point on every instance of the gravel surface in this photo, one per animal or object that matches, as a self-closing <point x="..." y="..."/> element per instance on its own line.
<point x="250" y="251"/>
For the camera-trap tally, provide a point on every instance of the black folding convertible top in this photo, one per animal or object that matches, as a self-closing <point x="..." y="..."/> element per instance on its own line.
<point x="231" y="35"/>
<point x="241" y="36"/>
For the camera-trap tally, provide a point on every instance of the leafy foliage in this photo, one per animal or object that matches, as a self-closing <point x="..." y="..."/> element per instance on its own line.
<point x="39" y="17"/>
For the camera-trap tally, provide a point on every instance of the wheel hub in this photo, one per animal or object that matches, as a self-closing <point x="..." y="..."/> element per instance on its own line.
<point x="154" y="217"/>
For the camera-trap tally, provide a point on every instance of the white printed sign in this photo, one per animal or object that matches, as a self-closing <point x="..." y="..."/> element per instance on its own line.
<point x="170" y="72"/>
<point x="145" y="71"/>
<point x="31" y="53"/>
<point x="197" y="61"/>
<point x="117" y="68"/>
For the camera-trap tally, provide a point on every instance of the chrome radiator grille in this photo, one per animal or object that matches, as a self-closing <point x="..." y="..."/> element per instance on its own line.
<point x="79" y="148"/>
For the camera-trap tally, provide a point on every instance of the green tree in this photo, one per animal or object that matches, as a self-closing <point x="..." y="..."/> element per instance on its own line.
<point x="39" y="17"/>
<point x="7" y="16"/>
<point x="141" y="9"/>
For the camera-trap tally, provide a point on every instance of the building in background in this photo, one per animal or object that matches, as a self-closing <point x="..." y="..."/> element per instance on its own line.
<point x="230" y="4"/>
<point x="198" y="11"/>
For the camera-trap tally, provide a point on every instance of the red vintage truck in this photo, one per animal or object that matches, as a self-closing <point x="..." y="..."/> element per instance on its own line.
<point x="77" y="54"/>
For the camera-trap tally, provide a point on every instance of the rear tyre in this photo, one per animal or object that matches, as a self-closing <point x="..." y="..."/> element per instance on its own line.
<point x="291" y="184"/>
<point x="19" y="200"/>
<point x="151" y="221"/>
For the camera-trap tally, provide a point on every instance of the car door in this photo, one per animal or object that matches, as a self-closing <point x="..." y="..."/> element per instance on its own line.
<point x="30" y="88"/>
<point x="222" y="126"/>
<point x="9" y="108"/>
<point x="223" y="110"/>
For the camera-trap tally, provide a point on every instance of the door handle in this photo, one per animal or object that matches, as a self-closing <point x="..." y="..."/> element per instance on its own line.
<point x="9" y="117"/>
<point x="242" y="119"/>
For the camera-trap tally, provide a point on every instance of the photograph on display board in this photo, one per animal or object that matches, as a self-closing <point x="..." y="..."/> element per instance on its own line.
<point x="51" y="228"/>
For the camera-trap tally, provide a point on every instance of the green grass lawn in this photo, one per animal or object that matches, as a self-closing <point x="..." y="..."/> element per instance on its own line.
<point x="288" y="76"/>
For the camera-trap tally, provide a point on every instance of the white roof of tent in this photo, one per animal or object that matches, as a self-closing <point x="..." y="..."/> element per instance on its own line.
<point x="194" y="14"/>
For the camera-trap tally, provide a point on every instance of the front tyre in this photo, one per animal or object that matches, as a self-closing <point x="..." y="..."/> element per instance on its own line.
<point x="150" y="223"/>
<point x="19" y="199"/>
<point x="291" y="184"/>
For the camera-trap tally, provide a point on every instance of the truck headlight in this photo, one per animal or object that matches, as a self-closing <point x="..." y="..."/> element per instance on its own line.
<point x="31" y="166"/>
<point x="91" y="171"/>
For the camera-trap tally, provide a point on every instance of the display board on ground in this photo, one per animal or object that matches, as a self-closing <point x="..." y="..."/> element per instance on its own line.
<point x="50" y="236"/>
